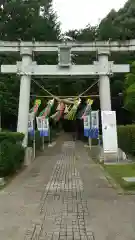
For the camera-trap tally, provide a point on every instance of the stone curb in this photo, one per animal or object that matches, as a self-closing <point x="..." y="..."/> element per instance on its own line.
<point x="115" y="185"/>
<point x="2" y="182"/>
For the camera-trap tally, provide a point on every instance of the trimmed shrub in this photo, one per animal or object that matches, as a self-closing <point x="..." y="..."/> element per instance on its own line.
<point x="11" y="153"/>
<point x="13" y="137"/>
<point x="126" y="138"/>
<point x="11" y="158"/>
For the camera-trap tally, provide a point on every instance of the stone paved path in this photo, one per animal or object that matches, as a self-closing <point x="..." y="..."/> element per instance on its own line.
<point x="65" y="196"/>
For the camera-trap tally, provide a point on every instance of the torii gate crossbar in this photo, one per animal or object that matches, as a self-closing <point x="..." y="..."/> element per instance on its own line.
<point x="103" y="68"/>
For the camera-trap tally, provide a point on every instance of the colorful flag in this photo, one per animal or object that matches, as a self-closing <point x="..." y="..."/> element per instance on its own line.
<point x="71" y="114"/>
<point x="46" y="111"/>
<point x="32" y="114"/>
<point x="88" y="108"/>
<point x="60" y="112"/>
<point x="37" y="103"/>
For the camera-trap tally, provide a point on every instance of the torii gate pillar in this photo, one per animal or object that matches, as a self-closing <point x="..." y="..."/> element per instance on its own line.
<point x="104" y="82"/>
<point x="24" y="99"/>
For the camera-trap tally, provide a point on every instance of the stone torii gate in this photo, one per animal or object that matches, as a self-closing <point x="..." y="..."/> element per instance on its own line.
<point x="103" y="68"/>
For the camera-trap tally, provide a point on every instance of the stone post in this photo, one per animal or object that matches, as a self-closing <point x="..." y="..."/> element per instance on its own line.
<point x="24" y="99"/>
<point x="104" y="82"/>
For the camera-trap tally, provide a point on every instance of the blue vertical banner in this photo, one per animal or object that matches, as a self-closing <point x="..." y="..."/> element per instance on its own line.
<point x="94" y="130"/>
<point x="31" y="124"/>
<point x="39" y="124"/>
<point x="87" y="124"/>
<point x="43" y="126"/>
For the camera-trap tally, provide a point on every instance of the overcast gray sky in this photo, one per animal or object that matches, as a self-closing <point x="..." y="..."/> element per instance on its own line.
<point x="76" y="14"/>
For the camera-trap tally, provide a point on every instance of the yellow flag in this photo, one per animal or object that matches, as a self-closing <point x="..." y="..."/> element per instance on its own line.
<point x="90" y="101"/>
<point x="38" y="102"/>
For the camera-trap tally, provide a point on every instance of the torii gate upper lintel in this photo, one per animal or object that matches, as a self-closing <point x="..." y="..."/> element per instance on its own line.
<point x="26" y="68"/>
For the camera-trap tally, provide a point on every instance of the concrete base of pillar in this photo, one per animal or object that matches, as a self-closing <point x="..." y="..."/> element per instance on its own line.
<point x="28" y="156"/>
<point x="2" y="182"/>
<point x="108" y="158"/>
<point x="98" y="155"/>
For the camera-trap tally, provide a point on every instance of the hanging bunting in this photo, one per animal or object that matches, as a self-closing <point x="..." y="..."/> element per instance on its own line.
<point x="60" y="111"/>
<point x="46" y="112"/>
<point x="37" y="103"/>
<point x="66" y="109"/>
<point x="43" y="121"/>
<point x="71" y="114"/>
<point x="88" y="108"/>
<point x="31" y="117"/>
<point x="54" y="116"/>
<point x="58" y="107"/>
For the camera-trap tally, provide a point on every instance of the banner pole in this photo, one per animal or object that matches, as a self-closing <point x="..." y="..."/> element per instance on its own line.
<point x="49" y="136"/>
<point x="98" y="129"/>
<point x="89" y="140"/>
<point x="34" y="141"/>
<point x="43" y="145"/>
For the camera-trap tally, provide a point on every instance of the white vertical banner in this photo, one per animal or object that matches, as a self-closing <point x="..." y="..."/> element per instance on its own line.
<point x="87" y="121"/>
<point x="95" y="119"/>
<point x="39" y="123"/>
<point x="30" y="123"/>
<point x="109" y="131"/>
<point x="94" y="131"/>
<point x="45" y="126"/>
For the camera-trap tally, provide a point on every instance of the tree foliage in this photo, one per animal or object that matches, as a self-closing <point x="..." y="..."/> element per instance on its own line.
<point x="129" y="91"/>
<point x="20" y="19"/>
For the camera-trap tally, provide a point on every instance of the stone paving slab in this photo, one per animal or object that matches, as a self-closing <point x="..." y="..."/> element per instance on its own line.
<point x="65" y="196"/>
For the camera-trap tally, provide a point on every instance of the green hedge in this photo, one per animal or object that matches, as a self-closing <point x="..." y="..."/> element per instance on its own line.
<point x="13" y="137"/>
<point x="126" y="138"/>
<point x="11" y="153"/>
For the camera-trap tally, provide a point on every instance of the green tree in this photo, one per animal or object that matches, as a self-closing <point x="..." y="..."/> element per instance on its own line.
<point x="107" y="29"/>
<point x="20" y="20"/>
<point x="129" y="90"/>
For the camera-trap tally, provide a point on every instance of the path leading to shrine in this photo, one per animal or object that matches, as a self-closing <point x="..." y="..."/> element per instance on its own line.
<point x="64" y="195"/>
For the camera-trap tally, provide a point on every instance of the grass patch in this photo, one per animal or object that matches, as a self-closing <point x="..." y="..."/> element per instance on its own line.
<point x="117" y="172"/>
